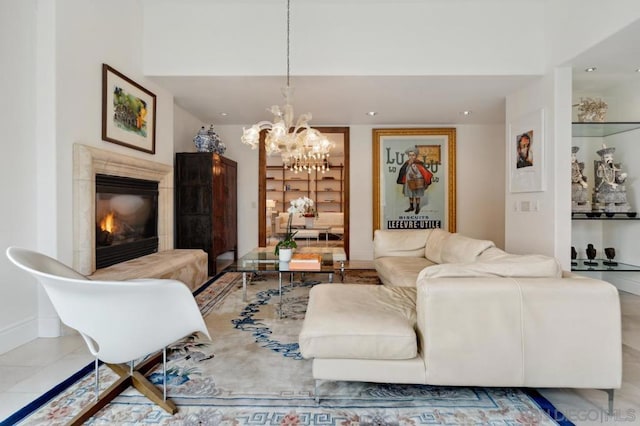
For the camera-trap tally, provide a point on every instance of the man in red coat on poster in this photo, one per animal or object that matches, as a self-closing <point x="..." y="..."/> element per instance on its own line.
<point x="414" y="178"/>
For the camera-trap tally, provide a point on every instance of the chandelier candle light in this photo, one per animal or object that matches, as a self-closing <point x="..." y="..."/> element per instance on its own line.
<point x="301" y="147"/>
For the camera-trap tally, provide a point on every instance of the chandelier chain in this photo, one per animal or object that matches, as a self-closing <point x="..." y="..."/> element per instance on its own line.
<point x="302" y="148"/>
<point x="288" y="40"/>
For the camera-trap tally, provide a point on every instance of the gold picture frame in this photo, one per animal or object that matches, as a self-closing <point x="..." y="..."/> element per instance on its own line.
<point x="393" y="205"/>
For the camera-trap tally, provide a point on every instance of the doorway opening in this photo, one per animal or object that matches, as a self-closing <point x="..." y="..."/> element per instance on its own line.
<point x="329" y="189"/>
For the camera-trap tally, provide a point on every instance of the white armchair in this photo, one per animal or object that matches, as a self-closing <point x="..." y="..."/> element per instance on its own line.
<point x="120" y="321"/>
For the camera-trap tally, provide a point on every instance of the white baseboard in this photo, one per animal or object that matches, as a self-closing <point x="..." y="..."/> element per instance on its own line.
<point x="630" y="286"/>
<point x="49" y="327"/>
<point x="624" y="281"/>
<point x="18" y="334"/>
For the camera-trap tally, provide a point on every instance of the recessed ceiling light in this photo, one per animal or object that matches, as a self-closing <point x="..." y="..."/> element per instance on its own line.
<point x="465" y="112"/>
<point x="590" y="69"/>
<point x="638" y="70"/>
<point x="224" y="114"/>
<point x="372" y="113"/>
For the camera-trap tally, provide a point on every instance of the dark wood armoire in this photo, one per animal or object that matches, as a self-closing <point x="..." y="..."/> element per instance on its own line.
<point x="206" y="204"/>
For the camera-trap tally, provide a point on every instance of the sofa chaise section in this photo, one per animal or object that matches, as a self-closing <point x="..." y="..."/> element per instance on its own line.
<point x="485" y="331"/>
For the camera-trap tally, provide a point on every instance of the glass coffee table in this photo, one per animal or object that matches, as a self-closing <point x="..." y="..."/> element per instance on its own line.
<point x="262" y="260"/>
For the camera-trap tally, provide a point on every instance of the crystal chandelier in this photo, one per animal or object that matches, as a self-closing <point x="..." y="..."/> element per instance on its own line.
<point x="301" y="147"/>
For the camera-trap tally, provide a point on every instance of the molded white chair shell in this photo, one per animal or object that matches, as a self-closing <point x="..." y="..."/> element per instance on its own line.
<point x="120" y="321"/>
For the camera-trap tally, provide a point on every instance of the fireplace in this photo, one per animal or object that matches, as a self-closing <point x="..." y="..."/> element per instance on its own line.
<point x="88" y="162"/>
<point x="126" y="217"/>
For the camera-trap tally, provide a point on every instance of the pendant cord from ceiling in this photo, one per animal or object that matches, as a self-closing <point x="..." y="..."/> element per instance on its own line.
<point x="288" y="39"/>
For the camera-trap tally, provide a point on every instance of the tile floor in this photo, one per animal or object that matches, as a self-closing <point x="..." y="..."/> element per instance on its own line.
<point x="32" y="369"/>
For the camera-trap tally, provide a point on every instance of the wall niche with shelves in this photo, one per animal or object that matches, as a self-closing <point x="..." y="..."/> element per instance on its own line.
<point x="326" y="188"/>
<point x="618" y="230"/>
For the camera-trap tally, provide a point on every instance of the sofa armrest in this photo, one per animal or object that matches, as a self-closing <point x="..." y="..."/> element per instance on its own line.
<point x="548" y="332"/>
<point x="399" y="243"/>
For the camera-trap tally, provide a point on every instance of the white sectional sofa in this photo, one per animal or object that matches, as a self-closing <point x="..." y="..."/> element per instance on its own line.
<point x="486" y="318"/>
<point x="334" y="220"/>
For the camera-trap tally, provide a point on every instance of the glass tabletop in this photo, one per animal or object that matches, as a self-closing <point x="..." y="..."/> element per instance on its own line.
<point x="263" y="260"/>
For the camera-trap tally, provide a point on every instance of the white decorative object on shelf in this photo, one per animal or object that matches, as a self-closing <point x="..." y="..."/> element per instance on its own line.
<point x="609" y="194"/>
<point x="580" y="201"/>
<point x="592" y="110"/>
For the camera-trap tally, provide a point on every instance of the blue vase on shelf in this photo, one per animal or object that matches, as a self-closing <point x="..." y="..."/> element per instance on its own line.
<point x="201" y="140"/>
<point x="215" y="143"/>
<point x="209" y="141"/>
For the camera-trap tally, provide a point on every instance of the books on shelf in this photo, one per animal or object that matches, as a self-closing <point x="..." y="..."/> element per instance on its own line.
<point x="305" y="262"/>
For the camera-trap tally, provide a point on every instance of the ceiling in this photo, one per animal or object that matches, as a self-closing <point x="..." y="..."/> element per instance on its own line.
<point x="616" y="58"/>
<point x="340" y="100"/>
<point x="398" y="100"/>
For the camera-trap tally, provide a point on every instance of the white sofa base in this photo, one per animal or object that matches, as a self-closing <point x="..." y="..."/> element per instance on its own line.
<point x="406" y="371"/>
<point x="493" y="332"/>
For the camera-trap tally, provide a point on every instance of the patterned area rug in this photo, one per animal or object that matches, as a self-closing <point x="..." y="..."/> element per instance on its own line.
<point x="252" y="374"/>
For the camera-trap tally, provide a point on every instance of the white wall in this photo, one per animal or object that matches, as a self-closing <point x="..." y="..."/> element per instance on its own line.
<point x="545" y="229"/>
<point x="88" y="34"/>
<point x="480" y="183"/>
<point x="347" y="37"/>
<point x="52" y="98"/>
<point x="18" y="174"/>
<point x="185" y="127"/>
<point x="572" y="26"/>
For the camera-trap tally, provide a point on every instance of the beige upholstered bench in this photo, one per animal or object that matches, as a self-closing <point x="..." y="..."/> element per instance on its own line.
<point x="186" y="265"/>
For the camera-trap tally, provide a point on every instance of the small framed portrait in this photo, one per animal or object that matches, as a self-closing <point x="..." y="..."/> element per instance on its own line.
<point x="526" y="153"/>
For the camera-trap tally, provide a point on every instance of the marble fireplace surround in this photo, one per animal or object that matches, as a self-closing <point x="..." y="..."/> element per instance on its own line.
<point x="87" y="162"/>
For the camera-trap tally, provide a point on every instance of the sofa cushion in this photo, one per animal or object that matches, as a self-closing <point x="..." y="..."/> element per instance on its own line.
<point x="509" y="265"/>
<point x="460" y="249"/>
<point x="400" y="243"/>
<point x="359" y="321"/>
<point x="492" y="253"/>
<point x="400" y="271"/>
<point x="433" y="246"/>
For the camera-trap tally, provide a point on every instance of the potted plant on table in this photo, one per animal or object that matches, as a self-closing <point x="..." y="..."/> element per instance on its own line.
<point x="284" y="248"/>
<point x="302" y="206"/>
<point x="305" y="207"/>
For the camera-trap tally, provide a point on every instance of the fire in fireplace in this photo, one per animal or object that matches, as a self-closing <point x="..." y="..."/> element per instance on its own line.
<point x="126" y="219"/>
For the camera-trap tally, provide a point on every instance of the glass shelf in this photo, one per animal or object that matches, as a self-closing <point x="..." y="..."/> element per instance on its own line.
<point x="593" y="130"/>
<point x="622" y="267"/>
<point x="604" y="216"/>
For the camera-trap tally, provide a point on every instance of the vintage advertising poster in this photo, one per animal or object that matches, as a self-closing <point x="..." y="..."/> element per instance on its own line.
<point x="414" y="178"/>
